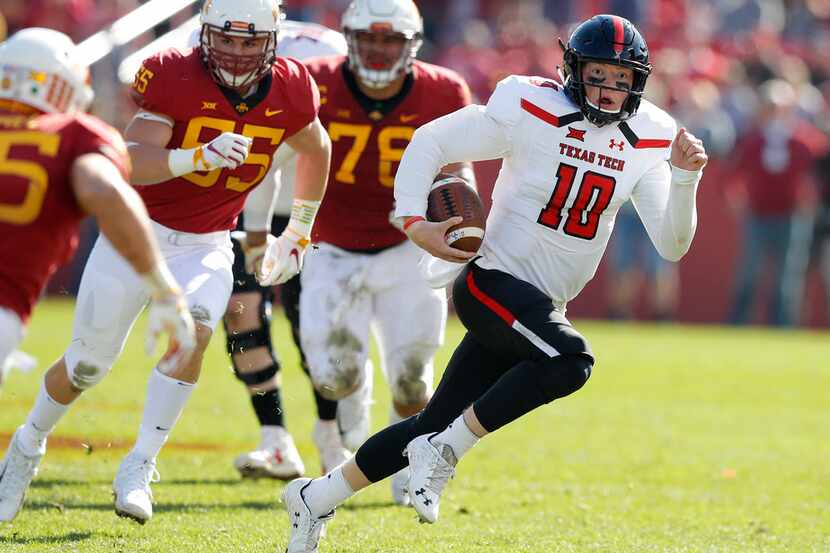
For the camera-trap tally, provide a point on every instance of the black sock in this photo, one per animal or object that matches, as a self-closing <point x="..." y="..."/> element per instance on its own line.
<point x="268" y="407"/>
<point x="326" y="408"/>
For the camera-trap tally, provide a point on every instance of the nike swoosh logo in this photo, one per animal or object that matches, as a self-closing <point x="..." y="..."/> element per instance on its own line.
<point x="162" y="429"/>
<point x="272" y="112"/>
<point x="408" y="118"/>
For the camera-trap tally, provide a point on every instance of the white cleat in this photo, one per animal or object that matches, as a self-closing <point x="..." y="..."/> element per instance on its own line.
<point x="326" y="437"/>
<point x="276" y="457"/>
<point x="16" y="473"/>
<point x="431" y="466"/>
<point x="131" y="487"/>
<point x="305" y="530"/>
<point x="400" y="487"/>
<point x="354" y="413"/>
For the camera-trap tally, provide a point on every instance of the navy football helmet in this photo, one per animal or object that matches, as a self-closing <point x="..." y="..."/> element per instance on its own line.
<point x="605" y="39"/>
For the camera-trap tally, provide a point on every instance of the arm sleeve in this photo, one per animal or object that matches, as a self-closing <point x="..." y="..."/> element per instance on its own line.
<point x="260" y="203"/>
<point x="665" y="199"/>
<point x="439" y="143"/>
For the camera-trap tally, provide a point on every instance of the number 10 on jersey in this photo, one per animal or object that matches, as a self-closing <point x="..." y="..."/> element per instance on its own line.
<point x="592" y="199"/>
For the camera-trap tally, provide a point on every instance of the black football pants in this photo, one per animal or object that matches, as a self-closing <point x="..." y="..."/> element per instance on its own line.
<point x="518" y="354"/>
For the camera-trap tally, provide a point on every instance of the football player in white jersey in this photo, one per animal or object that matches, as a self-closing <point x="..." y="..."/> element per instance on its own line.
<point x="248" y="319"/>
<point x="572" y="154"/>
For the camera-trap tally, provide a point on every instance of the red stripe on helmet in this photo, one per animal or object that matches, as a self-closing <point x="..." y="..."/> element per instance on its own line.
<point x="619" y="34"/>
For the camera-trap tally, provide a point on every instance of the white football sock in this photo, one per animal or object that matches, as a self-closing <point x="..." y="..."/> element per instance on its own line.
<point x="41" y="421"/>
<point x="327" y="492"/>
<point x="458" y="436"/>
<point x="166" y="398"/>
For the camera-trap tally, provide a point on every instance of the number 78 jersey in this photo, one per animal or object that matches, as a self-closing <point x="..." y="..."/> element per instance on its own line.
<point x="563" y="180"/>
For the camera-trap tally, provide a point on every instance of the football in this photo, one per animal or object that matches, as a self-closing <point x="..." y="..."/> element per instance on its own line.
<point x="452" y="196"/>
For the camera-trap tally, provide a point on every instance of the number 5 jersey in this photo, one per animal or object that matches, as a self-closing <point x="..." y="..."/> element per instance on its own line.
<point x="39" y="215"/>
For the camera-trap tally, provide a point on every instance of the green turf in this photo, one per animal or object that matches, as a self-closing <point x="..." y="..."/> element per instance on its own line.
<point x="686" y="439"/>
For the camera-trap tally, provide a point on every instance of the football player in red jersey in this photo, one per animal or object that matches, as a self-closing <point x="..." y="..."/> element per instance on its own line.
<point x="210" y="119"/>
<point x="364" y="272"/>
<point x="58" y="165"/>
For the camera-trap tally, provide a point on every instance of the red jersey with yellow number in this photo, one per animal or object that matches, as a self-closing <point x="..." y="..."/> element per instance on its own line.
<point x="368" y="139"/>
<point x="39" y="216"/>
<point x="177" y="84"/>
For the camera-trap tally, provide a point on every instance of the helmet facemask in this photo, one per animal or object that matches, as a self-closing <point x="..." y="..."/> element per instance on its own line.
<point x="372" y="66"/>
<point x="232" y="70"/>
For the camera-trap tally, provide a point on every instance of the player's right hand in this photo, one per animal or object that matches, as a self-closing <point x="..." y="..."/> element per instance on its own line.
<point x="283" y="259"/>
<point x="432" y="237"/>
<point x="169" y="315"/>
<point x="226" y="150"/>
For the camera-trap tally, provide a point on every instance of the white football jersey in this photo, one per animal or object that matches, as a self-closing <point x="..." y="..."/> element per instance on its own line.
<point x="562" y="181"/>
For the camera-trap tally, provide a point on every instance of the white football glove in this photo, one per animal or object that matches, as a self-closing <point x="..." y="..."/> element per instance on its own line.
<point x="168" y="314"/>
<point x="253" y="254"/>
<point x="226" y="150"/>
<point x="283" y="259"/>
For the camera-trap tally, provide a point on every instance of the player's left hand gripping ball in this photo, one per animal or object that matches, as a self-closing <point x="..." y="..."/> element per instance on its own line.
<point x="283" y="259"/>
<point x="687" y="151"/>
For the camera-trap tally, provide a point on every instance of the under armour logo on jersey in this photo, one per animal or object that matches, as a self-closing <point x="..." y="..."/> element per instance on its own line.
<point x="614" y="144"/>
<point x="576" y="134"/>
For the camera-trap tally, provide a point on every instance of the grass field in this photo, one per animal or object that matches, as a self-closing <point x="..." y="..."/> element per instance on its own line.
<point x="686" y="439"/>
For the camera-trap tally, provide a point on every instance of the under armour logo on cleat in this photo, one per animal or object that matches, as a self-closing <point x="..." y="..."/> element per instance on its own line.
<point x="426" y="500"/>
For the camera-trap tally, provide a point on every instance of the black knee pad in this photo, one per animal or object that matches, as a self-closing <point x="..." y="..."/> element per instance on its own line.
<point x="258" y="377"/>
<point x="239" y="342"/>
<point x="258" y="338"/>
<point x="563" y="375"/>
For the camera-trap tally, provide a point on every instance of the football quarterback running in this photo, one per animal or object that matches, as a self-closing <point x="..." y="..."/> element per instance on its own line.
<point x="59" y="165"/>
<point x="364" y="272"/>
<point x="573" y="152"/>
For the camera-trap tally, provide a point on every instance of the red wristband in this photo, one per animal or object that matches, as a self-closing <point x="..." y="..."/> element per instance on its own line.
<point x="411" y="221"/>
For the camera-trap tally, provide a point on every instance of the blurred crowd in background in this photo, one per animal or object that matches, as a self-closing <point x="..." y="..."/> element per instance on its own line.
<point x="749" y="77"/>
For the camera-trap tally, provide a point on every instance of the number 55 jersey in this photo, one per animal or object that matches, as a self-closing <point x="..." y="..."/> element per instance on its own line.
<point x="39" y="215"/>
<point x="177" y="85"/>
